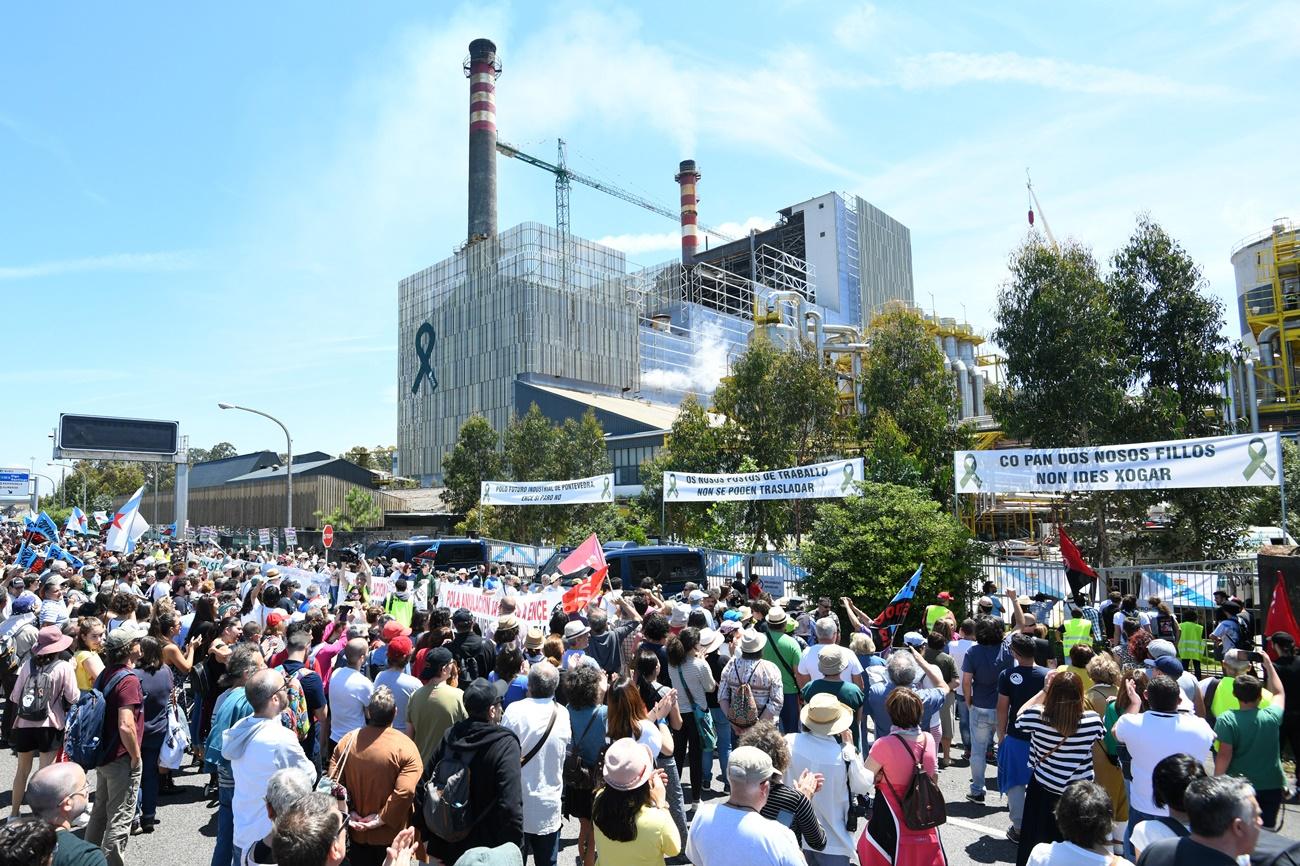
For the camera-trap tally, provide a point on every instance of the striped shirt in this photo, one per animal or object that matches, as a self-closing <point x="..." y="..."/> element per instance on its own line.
<point x="788" y="807"/>
<point x="1059" y="761"/>
<point x="693" y="680"/>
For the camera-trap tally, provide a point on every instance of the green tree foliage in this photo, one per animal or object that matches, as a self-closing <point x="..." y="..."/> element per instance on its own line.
<point x="692" y="445"/>
<point x="359" y="511"/>
<point x="912" y="403"/>
<point x="475" y="458"/>
<point x="535" y="450"/>
<point x="1265" y="508"/>
<point x="360" y="455"/>
<point x="865" y="547"/>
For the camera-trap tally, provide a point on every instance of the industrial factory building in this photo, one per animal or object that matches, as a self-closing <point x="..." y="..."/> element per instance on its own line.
<point x="533" y="314"/>
<point x="1264" y="390"/>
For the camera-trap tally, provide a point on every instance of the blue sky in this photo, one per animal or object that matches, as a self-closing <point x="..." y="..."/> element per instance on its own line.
<point x="216" y="203"/>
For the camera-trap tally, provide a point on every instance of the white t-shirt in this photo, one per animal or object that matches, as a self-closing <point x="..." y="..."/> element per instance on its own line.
<point x="1069" y="854"/>
<point x="350" y="691"/>
<point x="808" y="664"/>
<point x="160" y="590"/>
<point x="1143" y="619"/>
<point x="723" y="835"/>
<point x="1147" y="832"/>
<point x="648" y="736"/>
<point x="957" y="649"/>
<point x="1151" y="737"/>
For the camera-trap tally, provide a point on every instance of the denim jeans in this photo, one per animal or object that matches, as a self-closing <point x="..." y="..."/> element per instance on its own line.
<point x="545" y="847"/>
<point x="1016" y="804"/>
<point x="225" y="854"/>
<point x="963" y="722"/>
<point x="149" y="756"/>
<point x="982" y="723"/>
<point x="722" y="728"/>
<point x="789" y="718"/>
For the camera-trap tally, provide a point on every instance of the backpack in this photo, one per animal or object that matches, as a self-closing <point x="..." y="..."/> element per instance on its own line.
<point x="579" y="776"/>
<point x="296" y="717"/>
<point x="1245" y="625"/>
<point x="446" y="808"/>
<point x="9" y="660"/>
<point x="1164" y="627"/>
<point x="743" y="711"/>
<point x="83" y="735"/>
<point x="38" y="693"/>
<point x="922" y="804"/>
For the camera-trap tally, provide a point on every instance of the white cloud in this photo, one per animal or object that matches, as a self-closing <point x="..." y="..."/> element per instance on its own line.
<point x="136" y="262"/>
<point x="949" y="68"/>
<point x="636" y="244"/>
<point x="858" y="27"/>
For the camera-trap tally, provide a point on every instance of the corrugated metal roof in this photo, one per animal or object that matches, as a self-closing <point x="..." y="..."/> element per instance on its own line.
<point x="658" y="415"/>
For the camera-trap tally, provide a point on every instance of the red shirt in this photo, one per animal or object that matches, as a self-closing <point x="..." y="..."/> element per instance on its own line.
<point x="126" y="694"/>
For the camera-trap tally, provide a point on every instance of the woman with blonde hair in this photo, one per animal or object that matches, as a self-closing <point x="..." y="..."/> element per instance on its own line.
<point x="1062" y="730"/>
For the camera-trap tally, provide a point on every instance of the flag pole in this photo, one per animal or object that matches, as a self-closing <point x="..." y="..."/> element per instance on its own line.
<point x="1281" y="488"/>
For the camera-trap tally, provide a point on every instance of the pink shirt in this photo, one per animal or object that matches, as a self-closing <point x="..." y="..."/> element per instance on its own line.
<point x="897" y="765"/>
<point x="65" y="690"/>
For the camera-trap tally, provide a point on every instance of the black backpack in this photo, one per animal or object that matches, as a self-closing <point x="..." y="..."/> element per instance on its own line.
<point x="446" y="807"/>
<point x="38" y="693"/>
<point x="922" y="805"/>
<point x="580" y="776"/>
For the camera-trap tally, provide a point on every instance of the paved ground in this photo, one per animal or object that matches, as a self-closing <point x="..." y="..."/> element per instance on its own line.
<point x="974" y="833"/>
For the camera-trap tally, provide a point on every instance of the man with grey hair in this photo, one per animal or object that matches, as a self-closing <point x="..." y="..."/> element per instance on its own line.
<point x="285" y="788"/>
<point x="1225" y="822"/>
<point x="58" y="795"/>
<point x="349" y="692"/>
<point x="544" y="733"/>
<point x="827" y="631"/>
<point x="734" y="832"/>
<point x="257" y="747"/>
<point x="906" y="667"/>
<point x="313" y="832"/>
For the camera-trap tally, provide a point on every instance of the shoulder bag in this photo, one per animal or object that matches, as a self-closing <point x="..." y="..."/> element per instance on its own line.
<point x="532" y="753"/>
<point x="921" y="805"/>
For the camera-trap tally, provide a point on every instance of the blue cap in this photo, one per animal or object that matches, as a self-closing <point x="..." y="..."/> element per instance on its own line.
<point x="24" y="604"/>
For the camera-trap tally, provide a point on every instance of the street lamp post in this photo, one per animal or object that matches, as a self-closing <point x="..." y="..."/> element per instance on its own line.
<point x="63" y="479"/>
<point x="36" y="497"/>
<point x="288" y="474"/>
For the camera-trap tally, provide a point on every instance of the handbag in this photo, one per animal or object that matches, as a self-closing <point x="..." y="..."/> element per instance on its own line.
<point x="921" y="806"/>
<point x="333" y="785"/>
<point x="177" y="740"/>
<point x="579" y="776"/>
<point x="703" y="718"/>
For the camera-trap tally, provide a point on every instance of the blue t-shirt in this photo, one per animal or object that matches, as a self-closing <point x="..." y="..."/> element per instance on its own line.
<point x="878" y="689"/>
<point x="590" y="744"/>
<point x="1019" y="684"/>
<point x="984" y="663"/>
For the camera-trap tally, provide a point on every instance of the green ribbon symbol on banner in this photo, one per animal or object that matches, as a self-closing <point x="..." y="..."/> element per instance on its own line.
<point x="672" y="484"/>
<point x="1258" y="463"/>
<point x="971" y="465"/>
<point x="848" y="478"/>
<point x="604" y="494"/>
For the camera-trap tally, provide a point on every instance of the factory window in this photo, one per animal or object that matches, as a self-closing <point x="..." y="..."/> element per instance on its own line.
<point x="823" y="234"/>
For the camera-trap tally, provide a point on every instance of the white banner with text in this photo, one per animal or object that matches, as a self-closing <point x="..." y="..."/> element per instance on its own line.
<point x="597" y="488"/>
<point x="530" y="608"/>
<point x="1248" y="460"/>
<point x="815" y="481"/>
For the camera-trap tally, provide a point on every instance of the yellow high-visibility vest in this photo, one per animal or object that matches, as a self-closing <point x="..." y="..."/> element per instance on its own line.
<point x="1191" y="642"/>
<point x="1077" y="631"/>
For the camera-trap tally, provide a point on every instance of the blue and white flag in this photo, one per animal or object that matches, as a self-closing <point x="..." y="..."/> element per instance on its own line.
<point x="47" y="526"/>
<point x="896" y="612"/>
<point x="77" y="522"/>
<point x="127" y="525"/>
<point x="30" y="558"/>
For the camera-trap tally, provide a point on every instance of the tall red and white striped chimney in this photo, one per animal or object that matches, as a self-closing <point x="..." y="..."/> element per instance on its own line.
<point x="482" y="69"/>
<point x="687" y="177"/>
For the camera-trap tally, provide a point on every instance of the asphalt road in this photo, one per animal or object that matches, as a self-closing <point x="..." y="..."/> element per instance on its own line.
<point x="185" y="836"/>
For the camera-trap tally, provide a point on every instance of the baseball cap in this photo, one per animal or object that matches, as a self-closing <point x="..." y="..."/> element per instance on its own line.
<point x="914" y="638"/>
<point x="462" y="616"/>
<point x="437" y="659"/>
<point x="393" y="629"/>
<point x="1161" y="647"/>
<point x="274" y="618"/>
<point x="749" y="765"/>
<point x="125" y="634"/>
<point x="1169" y="666"/>
<point x="480" y="696"/>
<point x="24" y="604"/>
<point x="399" y="647"/>
<point x="696" y="595"/>
<point x="945" y="596"/>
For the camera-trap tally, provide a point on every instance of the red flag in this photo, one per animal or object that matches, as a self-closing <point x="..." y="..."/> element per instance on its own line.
<point x="1077" y="572"/>
<point x="582" y="592"/>
<point x="1280" y="617"/>
<point x="589" y="554"/>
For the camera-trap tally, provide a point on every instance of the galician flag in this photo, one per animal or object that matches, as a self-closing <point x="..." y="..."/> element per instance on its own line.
<point x="77" y="522"/>
<point x="127" y="525"/>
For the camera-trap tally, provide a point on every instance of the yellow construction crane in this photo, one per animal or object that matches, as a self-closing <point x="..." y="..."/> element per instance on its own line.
<point x="1034" y="205"/>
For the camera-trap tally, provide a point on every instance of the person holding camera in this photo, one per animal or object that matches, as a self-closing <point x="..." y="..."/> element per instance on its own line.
<point x="826" y="749"/>
<point x="1250" y="739"/>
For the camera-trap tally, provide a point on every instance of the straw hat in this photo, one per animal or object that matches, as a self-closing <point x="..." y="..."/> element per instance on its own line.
<point x="825" y="715"/>
<point x="535" y="639"/>
<point x="752" y="641"/>
<point x="710" y="640"/>
<point x="777" y="617"/>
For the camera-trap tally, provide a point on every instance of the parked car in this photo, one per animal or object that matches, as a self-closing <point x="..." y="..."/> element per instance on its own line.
<point x="446" y="553"/>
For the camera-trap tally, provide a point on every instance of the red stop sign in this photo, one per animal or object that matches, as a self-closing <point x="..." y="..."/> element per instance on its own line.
<point x="327" y="537"/>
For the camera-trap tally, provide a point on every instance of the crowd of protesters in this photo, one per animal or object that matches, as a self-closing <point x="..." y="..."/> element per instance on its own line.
<point x="334" y="721"/>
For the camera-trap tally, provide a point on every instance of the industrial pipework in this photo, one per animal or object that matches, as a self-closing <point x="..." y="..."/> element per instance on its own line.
<point x="687" y="177"/>
<point x="482" y="68"/>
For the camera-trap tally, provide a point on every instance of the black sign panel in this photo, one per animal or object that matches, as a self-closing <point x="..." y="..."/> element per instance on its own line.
<point x="95" y="433"/>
